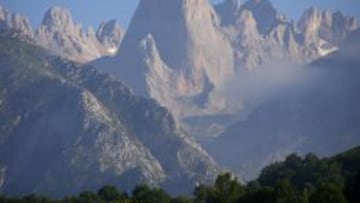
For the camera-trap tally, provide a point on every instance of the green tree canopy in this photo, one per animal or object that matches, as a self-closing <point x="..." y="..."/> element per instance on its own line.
<point x="145" y="194"/>
<point x="328" y="193"/>
<point x="110" y="193"/>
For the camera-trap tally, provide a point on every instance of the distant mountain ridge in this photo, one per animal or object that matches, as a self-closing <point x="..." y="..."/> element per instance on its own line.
<point x="59" y="34"/>
<point x="259" y="34"/>
<point x="181" y="59"/>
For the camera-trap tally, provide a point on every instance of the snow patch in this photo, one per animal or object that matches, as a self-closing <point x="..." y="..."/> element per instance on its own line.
<point x="112" y="50"/>
<point x="325" y="48"/>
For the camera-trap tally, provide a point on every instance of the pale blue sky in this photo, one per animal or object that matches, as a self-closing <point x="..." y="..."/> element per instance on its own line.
<point x="93" y="12"/>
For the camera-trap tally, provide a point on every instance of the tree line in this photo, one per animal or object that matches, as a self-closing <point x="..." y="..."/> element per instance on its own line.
<point x="297" y="179"/>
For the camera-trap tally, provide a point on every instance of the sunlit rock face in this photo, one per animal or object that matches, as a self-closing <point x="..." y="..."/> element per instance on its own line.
<point x="110" y="35"/>
<point x="332" y="27"/>
<point x="15" y="23"/>
<point x="62" y="36"/>
<point x="264" y="13"/>
<point x="181" y="52"/>
<point x="174" y="51"/>
<point x="259" y="34"/>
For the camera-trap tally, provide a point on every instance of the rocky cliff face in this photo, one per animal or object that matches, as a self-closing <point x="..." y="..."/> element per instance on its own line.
<point x="110" y="35"/>
<point x="15" y="23"/>
<point x="259" y="34"/>
<point x="320" y="116"/>
<point x="181" y="52"/>
<point x="177" y="45"/>
<point x="59" y="34"/>
<point x="84" y="130"/>
<point x="330" y="27"/>
<point x="264" y="14"/>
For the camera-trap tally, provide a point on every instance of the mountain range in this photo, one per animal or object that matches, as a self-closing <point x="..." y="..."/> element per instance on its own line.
<point x="183" y="53"/>
<point x="191" y="57"/>
<point x="182" y="58"/>
<point x="319" y="115"/>
<point x="81" y="129"/>
<point x="82" y="108"/>
<point x="62" y="36"/>
<point x="259" y="34"/>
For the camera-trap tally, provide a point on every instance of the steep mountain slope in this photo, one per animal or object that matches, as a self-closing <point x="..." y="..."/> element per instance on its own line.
<point x="72" y="126"/>
<point x="259" y="34"/>
<point x="320" y="116"/>
<point x="182" y="53"/>
<point x="65" y="38"/>
<point x="174" y="51"/>
<point x="262" y="38"/>
<point x="264" y="13"/>
<point x="59" y="34"/>
<point x="15" y="22"/>
<point x="331" y="27"/>
<point x="110" y="35"/>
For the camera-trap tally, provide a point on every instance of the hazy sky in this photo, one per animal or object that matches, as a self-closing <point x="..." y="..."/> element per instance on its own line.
<point x="93" y="12"/>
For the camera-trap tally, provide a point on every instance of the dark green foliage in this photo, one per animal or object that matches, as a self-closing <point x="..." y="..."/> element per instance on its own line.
<point x="204" y="193"/>
<point x="110" y="193"/>
<point x="182" y="199"/>
<point x="260" y="195"/>
<point x="27" y="199"/>
<point x="88" y="197"/>
<point x="295" y="180"/>
<point x="328" y="193"/>
<point x="302" y="172"/>
<point x="145" y="194"/>
<point x="227" y="189"/>
<point x="284" y="192"/>
<point x="354" y="191"/>
<point x="350" y="163"/>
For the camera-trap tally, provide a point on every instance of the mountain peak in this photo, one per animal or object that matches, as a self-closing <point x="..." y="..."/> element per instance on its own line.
<point x="188" y="42"/>
<point x="60" y="34"/>
<point x="259" y="4"/>
<point x="15" y="23"/>
<point x="264" y="13"/>
<point x="333" y="27"/>
<point x="234" y="4"/>
<point x="228" y="11"/>
<point x="110" y="32"/>
<point x="261" y="1"/>
<point x="58" y="18"/>
<point x="3" y="13"/>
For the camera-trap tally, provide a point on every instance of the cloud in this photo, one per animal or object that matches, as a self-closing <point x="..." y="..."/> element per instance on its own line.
<point x="248" y="89"/>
